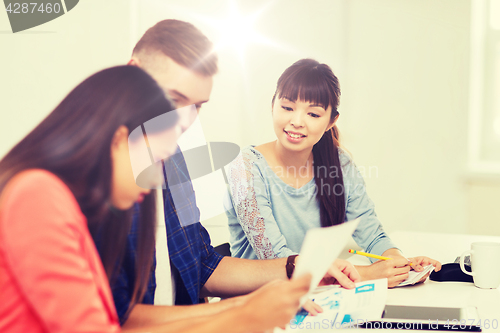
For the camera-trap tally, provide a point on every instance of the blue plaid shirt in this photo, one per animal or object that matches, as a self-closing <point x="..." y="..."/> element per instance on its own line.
<point x="192" y="257"/>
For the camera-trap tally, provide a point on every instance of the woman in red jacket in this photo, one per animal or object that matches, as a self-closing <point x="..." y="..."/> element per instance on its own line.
<point x="75" y="175"/>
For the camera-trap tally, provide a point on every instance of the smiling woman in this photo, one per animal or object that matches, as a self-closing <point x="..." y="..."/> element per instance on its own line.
<point x="69" y="178"/>
<point x="305" y="180"/>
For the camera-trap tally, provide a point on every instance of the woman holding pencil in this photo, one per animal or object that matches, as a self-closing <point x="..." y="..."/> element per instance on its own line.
<point x="304" y="180"/>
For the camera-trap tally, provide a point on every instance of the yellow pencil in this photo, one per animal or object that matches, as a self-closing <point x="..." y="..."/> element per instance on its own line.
<point x="368" y="255"/>
<point x="371" y="255"/>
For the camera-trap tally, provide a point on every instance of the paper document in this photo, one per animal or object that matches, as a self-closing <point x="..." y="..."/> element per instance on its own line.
<point x="344" y="308"/>
<point x="415" y="277"/>
<point x="319" y="250"/>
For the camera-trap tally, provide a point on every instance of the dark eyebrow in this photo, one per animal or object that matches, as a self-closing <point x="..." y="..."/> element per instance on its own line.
<point x="317" y="106"/>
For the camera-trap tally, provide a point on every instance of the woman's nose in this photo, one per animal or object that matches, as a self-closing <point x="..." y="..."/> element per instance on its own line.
<point x="297" y="120"/>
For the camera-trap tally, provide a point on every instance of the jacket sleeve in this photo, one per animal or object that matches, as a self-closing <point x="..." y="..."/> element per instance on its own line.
<point x="49" y="257"/>
<point x="252" y="209"/>
<point x="369" y="234"/>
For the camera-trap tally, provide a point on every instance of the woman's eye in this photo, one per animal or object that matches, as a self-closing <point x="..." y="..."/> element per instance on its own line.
<point x="314" y="115"/>
<point x="287" y="108"/>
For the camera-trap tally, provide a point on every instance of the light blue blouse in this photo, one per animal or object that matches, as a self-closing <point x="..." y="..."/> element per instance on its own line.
<point x="269" y="218"/>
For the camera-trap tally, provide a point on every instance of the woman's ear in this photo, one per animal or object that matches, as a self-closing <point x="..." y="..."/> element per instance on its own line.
<point x="332" y="123"/>
<point x="272" y="102"/>
<point x="120" y="138"/>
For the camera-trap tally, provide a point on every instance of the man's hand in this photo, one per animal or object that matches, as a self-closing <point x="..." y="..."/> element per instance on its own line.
<point x="276" y="303"/>
<point x="341" y="272"/>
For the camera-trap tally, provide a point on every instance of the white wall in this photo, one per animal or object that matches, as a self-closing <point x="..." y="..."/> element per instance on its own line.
<point x="403" y="68"/>
<point x="406" y="102"/>
<point x="38" y="67"/>
<point x="405" y="108"/>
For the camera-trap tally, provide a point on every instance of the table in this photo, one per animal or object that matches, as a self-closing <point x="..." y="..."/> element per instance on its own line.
<point x="445" y="248"/>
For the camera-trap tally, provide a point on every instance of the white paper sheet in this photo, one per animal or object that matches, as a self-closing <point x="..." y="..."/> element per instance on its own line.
<point x="344" y="308"/>
<point x="319" y="250"/>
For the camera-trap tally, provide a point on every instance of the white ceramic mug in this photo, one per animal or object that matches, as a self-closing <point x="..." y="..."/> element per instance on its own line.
<point x="485" y="264"/>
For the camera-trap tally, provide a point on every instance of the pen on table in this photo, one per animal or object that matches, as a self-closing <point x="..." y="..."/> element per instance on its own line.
<point x="371" y="255"/>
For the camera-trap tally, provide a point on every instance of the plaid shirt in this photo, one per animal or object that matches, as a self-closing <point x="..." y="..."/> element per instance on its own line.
<point x="192" y="257"/>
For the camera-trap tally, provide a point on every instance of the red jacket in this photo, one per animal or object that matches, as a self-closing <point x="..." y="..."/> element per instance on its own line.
<point x="51" y="276"/>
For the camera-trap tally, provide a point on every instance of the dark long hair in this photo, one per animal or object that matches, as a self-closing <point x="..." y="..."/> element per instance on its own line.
<point x="74" y="141"/>
<point x="310" y="81"/>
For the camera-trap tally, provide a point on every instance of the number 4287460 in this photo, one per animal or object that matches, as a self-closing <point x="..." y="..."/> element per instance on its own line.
<point x="31" y="8"/>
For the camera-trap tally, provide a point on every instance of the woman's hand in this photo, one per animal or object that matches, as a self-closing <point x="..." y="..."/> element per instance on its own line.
<point x="274" y="304"/>
<point x="312" y="308"/>
<point x="395" y="270"/>
<point x="418" y="263"/>
<point x="341" y="272"/>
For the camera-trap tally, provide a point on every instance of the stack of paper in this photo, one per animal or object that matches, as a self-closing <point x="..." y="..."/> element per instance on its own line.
<point x="415" y="277"/>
